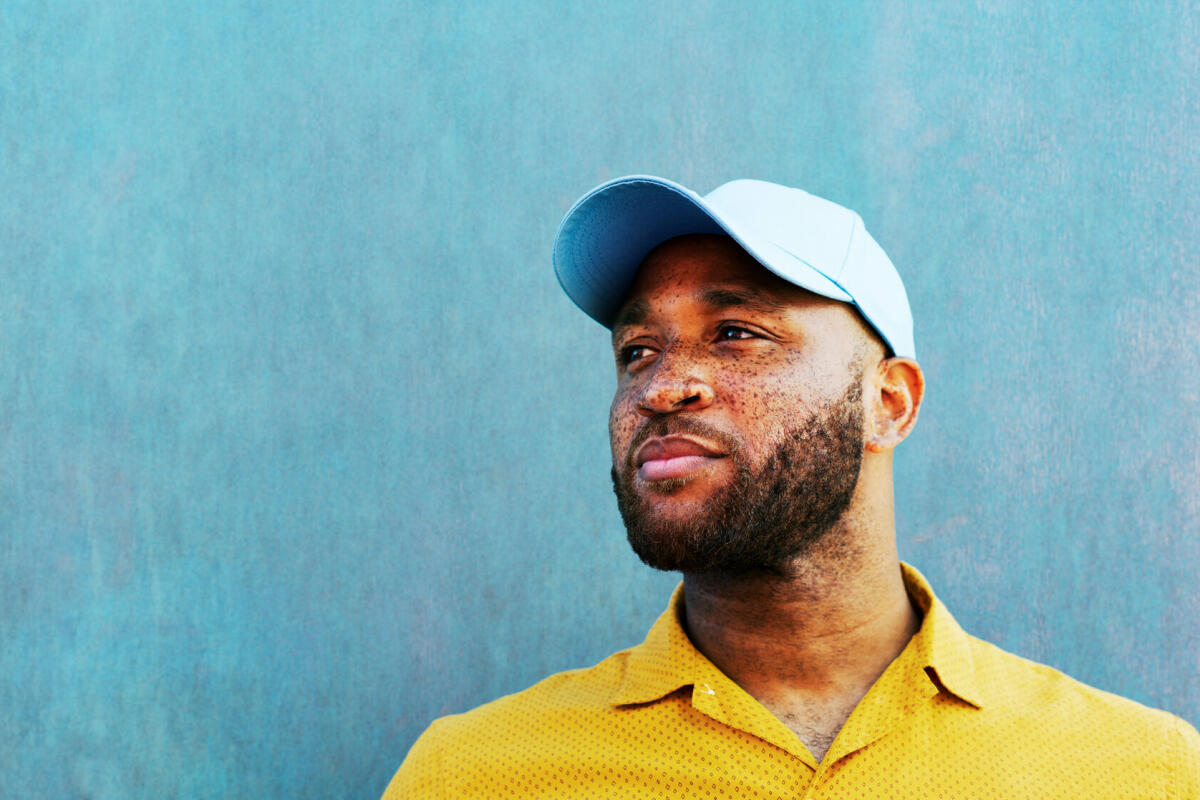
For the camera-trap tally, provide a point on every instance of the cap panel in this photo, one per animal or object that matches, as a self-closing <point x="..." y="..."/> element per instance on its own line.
<point x="792" y="269"/>
<point x="878" y="292"/>
<point x="807" y="227"/>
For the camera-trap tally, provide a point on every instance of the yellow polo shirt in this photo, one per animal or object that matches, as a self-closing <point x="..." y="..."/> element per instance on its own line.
<point x="951" y="717"/>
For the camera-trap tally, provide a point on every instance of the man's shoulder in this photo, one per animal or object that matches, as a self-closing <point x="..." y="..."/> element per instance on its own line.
<point x="1060" y="708"/>
<point x="579" y="691"/>
<point x="1016" y="683"/>
<point x="542" y="720"/>
<point x="1023" y="702"/>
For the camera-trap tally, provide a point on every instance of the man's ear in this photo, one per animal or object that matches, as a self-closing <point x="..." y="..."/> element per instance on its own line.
<point x="895" y="393"/>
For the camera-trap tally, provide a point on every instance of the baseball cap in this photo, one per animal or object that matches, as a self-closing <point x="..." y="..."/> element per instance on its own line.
<point x="813" y="243"/>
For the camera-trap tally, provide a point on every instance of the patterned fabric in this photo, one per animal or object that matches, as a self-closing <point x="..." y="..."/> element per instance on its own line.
<point x="951" y="717"/>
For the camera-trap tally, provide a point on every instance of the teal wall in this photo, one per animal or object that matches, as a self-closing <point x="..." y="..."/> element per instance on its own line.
<point x="301" y="446"/>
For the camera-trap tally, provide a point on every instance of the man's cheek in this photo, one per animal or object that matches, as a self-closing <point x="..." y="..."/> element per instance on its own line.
<point x="622" y="425"/>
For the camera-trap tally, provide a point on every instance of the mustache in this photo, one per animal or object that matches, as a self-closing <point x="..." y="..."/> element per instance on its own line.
<point x="676" y="425"/>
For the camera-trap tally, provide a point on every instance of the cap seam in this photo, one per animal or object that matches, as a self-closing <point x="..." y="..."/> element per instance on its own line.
<point x="854" y="219"/>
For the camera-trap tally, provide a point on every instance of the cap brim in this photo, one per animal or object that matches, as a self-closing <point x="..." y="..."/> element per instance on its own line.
<point x="605" y="236"/>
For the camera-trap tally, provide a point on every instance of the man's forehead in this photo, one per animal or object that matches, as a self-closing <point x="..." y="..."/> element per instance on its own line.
<point x="637" y="310"/>
<point x="710" y="270"/>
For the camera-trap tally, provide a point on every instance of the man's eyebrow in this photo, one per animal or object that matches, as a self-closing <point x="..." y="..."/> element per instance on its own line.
<point x="632" y="314"/>
<point x="636" y="312"/>
<point x="724" y="298"/>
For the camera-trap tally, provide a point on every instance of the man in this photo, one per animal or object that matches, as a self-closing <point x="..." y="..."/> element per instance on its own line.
<point x="766" y="370"/>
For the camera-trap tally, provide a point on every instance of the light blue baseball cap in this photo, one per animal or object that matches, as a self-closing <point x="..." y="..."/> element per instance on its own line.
<point x="810" y="242"/>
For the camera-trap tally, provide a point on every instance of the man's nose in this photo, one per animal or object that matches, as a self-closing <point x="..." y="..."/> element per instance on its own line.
<point x="675" y="385"/>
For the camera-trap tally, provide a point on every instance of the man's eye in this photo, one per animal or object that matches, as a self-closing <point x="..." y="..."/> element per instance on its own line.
<point x="634" y="352"/>
<point x="728" y="333"/>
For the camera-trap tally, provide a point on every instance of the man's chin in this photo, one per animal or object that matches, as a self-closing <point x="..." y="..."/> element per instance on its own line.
<point x="678" y="507"/>
<point x="677" y="524"/>
<point x="678" y="548"/>
<point x="666" y="486"/>
<point x="665" y="548"/>
<point x="672" y="533"/>
<point x="670" y="521"/>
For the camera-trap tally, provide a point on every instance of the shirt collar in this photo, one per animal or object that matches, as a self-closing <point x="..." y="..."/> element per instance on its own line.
<point x="664" y="662"/>
<point x="667" y="660"/>
<point x="941" y="647"/>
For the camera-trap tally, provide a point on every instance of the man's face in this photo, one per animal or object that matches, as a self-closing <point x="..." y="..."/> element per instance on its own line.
<point x="736" y="427"/>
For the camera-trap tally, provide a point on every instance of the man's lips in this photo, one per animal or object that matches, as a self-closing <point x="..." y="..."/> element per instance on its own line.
<point x="665" y="457"/>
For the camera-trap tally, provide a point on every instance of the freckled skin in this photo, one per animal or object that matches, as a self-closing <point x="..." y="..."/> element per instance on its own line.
<point x="789" y="362"/>
<point x="788" y="384"/>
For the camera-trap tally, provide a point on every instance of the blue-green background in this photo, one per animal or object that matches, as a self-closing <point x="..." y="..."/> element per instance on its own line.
<point x="301" y="446"/>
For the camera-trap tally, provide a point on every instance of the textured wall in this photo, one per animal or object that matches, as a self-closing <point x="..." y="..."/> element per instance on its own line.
<point x="301" y="447"/>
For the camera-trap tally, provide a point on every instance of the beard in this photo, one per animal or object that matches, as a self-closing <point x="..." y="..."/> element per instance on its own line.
<point x="766" y="517"/>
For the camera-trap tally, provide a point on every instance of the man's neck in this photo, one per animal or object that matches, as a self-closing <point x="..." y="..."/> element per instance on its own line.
<point x="809" y="643"/>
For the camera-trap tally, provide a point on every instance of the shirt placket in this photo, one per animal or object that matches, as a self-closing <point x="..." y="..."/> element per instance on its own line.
<point x="891" y="701"/>
<point x="718" y="697"/>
